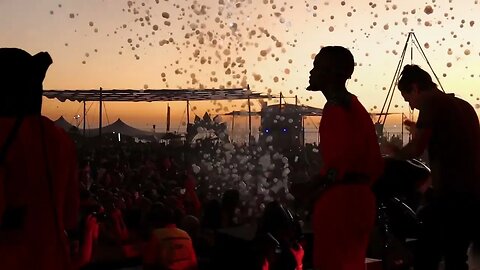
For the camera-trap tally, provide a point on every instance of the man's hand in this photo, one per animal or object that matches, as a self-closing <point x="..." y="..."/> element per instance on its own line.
<point x="389" y="149"/>
<point x="306" y="193"/>
<point x="411" y="127"/>
<point x="423" y="186"/>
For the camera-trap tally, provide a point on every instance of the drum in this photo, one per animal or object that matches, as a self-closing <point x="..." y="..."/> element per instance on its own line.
<point x="397" y="222"/>
<point x="401" y="178"/>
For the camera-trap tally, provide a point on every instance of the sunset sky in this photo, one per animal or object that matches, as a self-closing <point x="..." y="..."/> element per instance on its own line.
<point x="267" y="44"/>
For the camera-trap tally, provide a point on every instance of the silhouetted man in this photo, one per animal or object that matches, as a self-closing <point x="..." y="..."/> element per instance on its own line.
<point x="449" y="128"/>
<point x="344" y="214"/>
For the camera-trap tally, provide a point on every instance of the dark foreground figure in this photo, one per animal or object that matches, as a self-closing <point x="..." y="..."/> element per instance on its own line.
<point x="38" y="170"/>
<point x="344" y="214"/>
<point x="448" y="127"/>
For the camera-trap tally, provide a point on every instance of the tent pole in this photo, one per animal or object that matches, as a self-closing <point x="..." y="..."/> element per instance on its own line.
<point x="280" y="106"/>
<point x="100" y="116"/>
<point x="303" y="130"/>
<point x="188" y="113"/>
<point x="84" y="115"/>
<point x="168" y="117"/>
<point x="249" y="122"/>
<point x="402" y="127"/>
<point x="303" y="122"/>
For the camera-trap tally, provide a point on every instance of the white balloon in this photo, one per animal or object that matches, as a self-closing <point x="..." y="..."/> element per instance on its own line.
<point x="229" y="146"/>
<point x="195" y="168"/>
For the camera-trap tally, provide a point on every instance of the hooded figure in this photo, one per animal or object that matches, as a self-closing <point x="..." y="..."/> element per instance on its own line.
<point x="39" y="191"/>
<point x="21" y="78"/>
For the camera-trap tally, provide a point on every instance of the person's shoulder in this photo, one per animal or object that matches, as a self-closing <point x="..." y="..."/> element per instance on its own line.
<point x="343" y="101"/>
<point x="441" y="98"/>
<point x="344" y="108"/>
<point x="357" y="104"/>
<point x="6" y="123"/>
<point x="54" y="130"/>
<point x="434" y="101"/>
<point x="335" y="107"/>
<point x="160" y="233"/>
<point x="447" y="101"/>
<point x="48" y="123"/>
<point x="176" y="232"/>
<point x="163" y="233"/>
<point x="463" y="103"/>
<point x="182" y="233"/>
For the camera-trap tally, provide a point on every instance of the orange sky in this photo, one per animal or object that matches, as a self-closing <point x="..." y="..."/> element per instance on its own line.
<point x="230" y="43"/>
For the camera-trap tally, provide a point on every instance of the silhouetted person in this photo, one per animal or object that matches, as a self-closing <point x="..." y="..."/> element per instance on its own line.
<point x="230" y="202"/>
<point x="448" y="127"/>
<point x="277" y="239"/>
<point x="39" y="189"/>
<point x="344" y="214"/>
<point x="212" y="215"/>
<point x="168" y="247"/>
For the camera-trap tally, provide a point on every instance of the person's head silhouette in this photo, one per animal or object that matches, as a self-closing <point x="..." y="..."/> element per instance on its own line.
<point x="21" y="78"/>
<point x="332" y="66"/>
<point x="414" y="82"/>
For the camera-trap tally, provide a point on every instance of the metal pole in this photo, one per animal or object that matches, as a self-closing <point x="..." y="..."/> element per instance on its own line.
<point x="100" y="117"/>
<point x="280" y="106"/>
<point x="168" y="118"/>
<point x="188" y="113"/>
<point x="249" y="122"/>
<point x="410" y="137"/>
<point x="388" y="100"/>
<point x="303" y="130"/>
<point x="419" y="47"/>
<point x="84" y="116"/>
<point x="402" y="128"/>
<point x="303" y="121"/>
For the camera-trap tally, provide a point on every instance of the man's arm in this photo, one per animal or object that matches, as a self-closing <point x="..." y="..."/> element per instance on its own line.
<point x="335" y="141"/>
<point x="417" y="146"/>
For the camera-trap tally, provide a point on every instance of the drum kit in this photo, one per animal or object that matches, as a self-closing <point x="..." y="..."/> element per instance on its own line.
<point x="398" y="202"/>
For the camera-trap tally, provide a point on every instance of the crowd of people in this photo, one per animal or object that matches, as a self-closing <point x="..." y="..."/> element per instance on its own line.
<point x="130" y="189"/>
